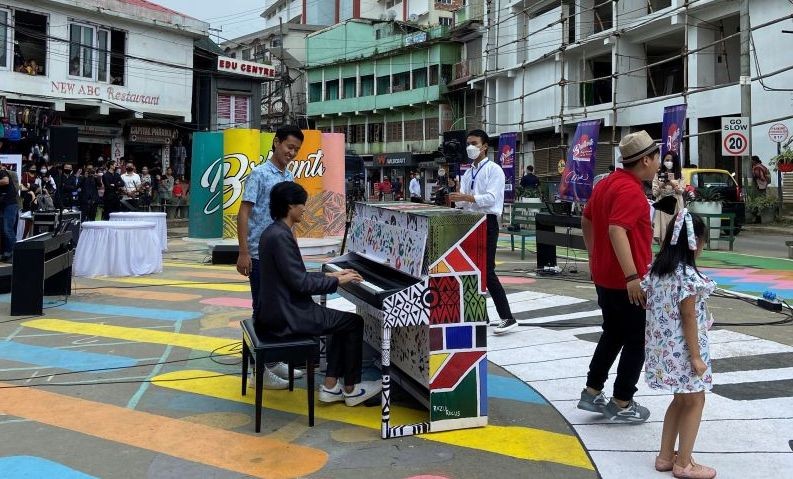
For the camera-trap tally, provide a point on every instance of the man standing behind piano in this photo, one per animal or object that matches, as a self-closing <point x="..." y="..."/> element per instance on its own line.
<point x="482" y="191"/>
<point x="254" y="217"/>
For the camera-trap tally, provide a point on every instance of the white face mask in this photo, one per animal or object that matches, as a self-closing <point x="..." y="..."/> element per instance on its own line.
<point x="669" y="165"/>
<point x="472" y="151"/>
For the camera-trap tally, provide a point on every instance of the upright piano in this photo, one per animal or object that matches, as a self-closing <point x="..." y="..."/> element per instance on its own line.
<point x="423" y="304"/>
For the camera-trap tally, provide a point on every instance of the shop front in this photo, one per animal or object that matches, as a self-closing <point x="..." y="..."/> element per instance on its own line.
<point x="391" y="166"/>
<point x="97" y="143"/>
<point x="154" y="145"/>
<point x="24" y="124"/>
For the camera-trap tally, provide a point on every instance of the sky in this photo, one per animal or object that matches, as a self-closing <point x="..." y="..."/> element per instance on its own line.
<point x="236" y="17"/>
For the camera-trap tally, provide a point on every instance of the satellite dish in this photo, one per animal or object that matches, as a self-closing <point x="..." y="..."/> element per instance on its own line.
<point x="413" y="17"/>
<point x="391" y="15"/>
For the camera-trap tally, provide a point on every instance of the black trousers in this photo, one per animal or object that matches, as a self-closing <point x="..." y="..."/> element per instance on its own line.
<point x="493" y="284"/>
<point x="345" y="350"/>
<point x="623" y="330"/>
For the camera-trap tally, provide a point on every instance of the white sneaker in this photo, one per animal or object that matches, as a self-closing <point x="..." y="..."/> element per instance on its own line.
<point x="270" y="381"/>
<point x="362" y="391"/>
<point x="282" y="371"/>
<point x="334" y="394"/>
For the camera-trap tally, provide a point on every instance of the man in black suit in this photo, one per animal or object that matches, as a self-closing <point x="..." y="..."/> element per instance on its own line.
<point x="112" y="182"/>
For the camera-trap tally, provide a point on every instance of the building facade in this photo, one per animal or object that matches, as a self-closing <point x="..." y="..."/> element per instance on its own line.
<point x="554" y="63"/>
<point x="331" y="12"/>
<point x="90" y="64"/>
<point x="383" y="84"/>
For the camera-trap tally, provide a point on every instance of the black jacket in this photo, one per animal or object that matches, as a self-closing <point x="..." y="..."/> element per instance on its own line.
<point x="285" y="303"/>
<point x="89" y="190"/>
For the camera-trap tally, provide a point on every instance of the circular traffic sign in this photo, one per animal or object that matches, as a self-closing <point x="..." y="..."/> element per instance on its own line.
<point x="778" y="132"/>
<point x="736" y="143"/>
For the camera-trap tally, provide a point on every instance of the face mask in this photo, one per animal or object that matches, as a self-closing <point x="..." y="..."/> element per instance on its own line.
<point x="669" y="165"/>
<point x="472" y="151"/>
<point x="43" y="172"/>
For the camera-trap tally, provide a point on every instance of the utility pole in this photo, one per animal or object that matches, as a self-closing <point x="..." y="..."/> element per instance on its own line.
<point x="746" y="92"/>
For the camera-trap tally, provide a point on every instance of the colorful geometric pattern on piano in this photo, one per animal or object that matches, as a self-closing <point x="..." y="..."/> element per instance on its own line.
<point x="475" y="246"/>
<point x="400" y="248"/>
<point x="445" y="303"/>
<point x="467" y="374"/>
<point x="410" y="306"/>
<point x="474" y="302"/>
<point x="459" y="261"/>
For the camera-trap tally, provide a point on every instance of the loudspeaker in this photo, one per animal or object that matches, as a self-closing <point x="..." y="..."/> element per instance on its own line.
<point x="63" y="144"/>
<point x="225" y="253"/>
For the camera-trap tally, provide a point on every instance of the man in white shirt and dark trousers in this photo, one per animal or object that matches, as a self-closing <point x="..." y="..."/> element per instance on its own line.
<point x="482" y="191"/>
<point x="415" y="188"/>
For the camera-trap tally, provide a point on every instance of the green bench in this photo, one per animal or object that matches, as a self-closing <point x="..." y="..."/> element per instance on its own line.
<point x="522" y="224"/>
<point x="720" y="226"/>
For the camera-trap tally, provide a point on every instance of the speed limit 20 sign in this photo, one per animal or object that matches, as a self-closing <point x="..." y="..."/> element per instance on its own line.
<point x="734" y="135"/>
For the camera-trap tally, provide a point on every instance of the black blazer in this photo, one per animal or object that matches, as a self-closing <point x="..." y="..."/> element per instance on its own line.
<point x="285" y="303"/>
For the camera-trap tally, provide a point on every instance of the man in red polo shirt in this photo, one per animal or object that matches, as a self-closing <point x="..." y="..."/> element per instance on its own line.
<point x="618" y="236"/>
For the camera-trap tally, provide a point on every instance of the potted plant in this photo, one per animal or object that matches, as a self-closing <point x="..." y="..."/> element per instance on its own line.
<point x="763" y="208"/>
<point x="784" y="161"/>
<point x="706" y="201"/>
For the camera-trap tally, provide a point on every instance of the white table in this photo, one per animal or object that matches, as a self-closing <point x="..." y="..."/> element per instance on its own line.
<point x="156" y="218"/>
<point x="118" y="248"/>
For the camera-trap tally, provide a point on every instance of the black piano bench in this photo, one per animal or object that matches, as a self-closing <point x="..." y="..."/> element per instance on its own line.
<point x="269" y="349"/>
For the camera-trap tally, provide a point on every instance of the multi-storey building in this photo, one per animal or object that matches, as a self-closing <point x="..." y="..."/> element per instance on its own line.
<point x="550" y="64"/>
<point x="383" y="84"/>
<point x="331" y="12"/>
<point x="119" y="70"/>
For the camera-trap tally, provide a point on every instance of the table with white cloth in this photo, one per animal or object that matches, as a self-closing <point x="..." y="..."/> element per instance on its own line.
<point x="157" y="218"/>
<point x="118" y="248"/>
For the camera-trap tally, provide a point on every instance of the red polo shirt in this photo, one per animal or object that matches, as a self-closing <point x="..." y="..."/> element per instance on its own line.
<point x="618" y="200"/>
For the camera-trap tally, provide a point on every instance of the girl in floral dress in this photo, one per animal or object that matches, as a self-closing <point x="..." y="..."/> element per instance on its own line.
<point x="676" y="342"/>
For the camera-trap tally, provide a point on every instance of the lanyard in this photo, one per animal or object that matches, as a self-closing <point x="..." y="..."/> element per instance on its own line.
<point x="475" y="173"/>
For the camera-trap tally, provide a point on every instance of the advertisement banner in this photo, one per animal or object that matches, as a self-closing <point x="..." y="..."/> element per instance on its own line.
<point x="506" y="152"/>
<point x="672" y="130"/>
<point x="308" y="169"/>
<point x="241" y="147"/>
<point x="12" y="163"/>
<point x="579" y="170"/>
<point x="206" y="195"/>
<point x="334" y="197"/>
<point x="266" y="146"/>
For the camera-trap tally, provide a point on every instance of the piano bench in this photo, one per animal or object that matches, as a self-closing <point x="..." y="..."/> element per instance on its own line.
<point x="267" y="349"/>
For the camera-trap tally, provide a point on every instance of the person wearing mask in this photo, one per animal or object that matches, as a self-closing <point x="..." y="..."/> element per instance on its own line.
<point x="254" y="217"/>
<point x="9" y="207"/>
<point x="668" y="182"/>
<point x="145" y="188"/>
<point x="165" y="187"/>
<point x="618" y="237"/>
<point x="482" y="191"/>
<point x="89" y="194"/>
<point x="415" y="188"/>
<point x="132" y="188"/>
<point x="111" y="181"/>
<point x="46" y="181"/>
<point x="71" y="187"/>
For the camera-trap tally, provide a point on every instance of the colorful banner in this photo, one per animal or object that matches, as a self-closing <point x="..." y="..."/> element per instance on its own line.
<point x="240" y="154"/>
<point x="308" y="169"/>
<point x="206" y="195"/>
<point x="506" y="152"/>
<point x="266" y="146"/>
<point x="334" y="195"/>
<point x="579" y="170"/>
<point x="673" y="129"/>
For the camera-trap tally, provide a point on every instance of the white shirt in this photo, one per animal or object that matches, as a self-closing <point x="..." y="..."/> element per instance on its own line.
<point x="131" y="182"/>
<point x="415" y="187"/>
<point x="488" y="188"/>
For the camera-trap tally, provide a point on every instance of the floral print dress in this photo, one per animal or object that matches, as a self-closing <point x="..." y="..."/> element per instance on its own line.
<point x="667" y="358"/>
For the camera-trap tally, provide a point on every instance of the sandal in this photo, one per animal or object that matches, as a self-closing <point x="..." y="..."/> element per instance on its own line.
<point x="693" y="471"/>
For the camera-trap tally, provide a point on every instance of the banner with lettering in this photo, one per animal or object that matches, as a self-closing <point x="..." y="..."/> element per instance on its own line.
<point x="673" y="129"/>
<point x="308" y="169"/>
<point x="334" y="195"/>
<point x="506" y="154"/>
<point x="206" y="194"/>
<point x="241" y="147"/>
<point x="579" y="170"/>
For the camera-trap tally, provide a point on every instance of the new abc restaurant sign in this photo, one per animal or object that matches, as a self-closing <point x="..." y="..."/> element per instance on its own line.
<point x="223" y="162"/>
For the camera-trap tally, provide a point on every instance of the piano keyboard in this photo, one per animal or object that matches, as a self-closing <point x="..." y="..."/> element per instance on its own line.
<point x="364" y="284"/>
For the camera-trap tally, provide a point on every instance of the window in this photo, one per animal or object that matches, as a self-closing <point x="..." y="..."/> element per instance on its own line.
<point x="30" y="43"/>
<point x="444" y="2"/>
<point x="118" y="48"/>
<point x="433" y="74"/>
<point x="89" y="53"/>
<point x="349" y="87"/>
<point x="332" y="90"/>
<point x="367" y="85"/>
<point x="401" y="82"/>
<point x="432" y="128"/>
<point x="356" y="134"/>
<point x="413" y="130"/>
<point x="276" y="41"/>
<point x="383" y="85"/>
<point x="420" y="78"/>
<point x="394" y="132"/>
<point x="233" y="55"/>
<point x="445" y="21"/>
<point x="233" y="111"/>
<point x="4" y="18"/>
<point x="375" y="132"/>
<point x="246" y="54"/>
<point x="315" y="92"/>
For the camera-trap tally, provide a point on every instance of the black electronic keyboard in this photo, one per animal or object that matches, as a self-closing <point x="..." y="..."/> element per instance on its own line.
<point x="379" y="280"/>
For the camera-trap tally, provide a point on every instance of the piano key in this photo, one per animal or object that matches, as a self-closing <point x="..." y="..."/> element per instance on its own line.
<point x="366" y="284"/>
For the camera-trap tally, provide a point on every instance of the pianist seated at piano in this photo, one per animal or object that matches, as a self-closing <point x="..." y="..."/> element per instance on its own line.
<point x="287" y="308"/>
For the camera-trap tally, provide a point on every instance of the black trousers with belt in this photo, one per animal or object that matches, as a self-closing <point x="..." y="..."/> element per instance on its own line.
<point x="493" y="284"/>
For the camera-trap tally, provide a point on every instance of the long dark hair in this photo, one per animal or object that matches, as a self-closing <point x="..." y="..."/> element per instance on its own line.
<point x="676" y="170"/>
<point x="672" y="255"/>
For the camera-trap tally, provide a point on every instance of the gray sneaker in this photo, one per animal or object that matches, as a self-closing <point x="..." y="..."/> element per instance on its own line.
<point x="633" y="414"/>
<point x="592" y="403"/>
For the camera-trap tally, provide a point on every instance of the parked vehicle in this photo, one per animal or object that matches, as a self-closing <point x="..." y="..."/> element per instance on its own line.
<point x="723" y="183"/>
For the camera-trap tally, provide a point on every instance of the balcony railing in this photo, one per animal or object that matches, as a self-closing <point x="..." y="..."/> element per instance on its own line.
<point x="473" y="12"/>
<point x="467" y="69"/>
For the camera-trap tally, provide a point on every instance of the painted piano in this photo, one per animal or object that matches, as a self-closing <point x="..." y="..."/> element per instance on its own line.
<point x="423" y="307"/>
